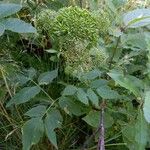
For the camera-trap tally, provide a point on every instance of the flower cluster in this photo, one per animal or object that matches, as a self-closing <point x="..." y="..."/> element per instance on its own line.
<point x="77" y="31"/>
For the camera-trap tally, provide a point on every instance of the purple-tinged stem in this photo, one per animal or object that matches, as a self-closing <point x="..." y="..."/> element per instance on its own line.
<point x="101" y="141"/>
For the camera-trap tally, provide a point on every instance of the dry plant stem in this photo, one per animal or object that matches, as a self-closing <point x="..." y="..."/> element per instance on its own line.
<point x="101" y="141"/>
<point x="4" y="112"/>
<point x="9" y="91"/>
<point x="6" y="84"/>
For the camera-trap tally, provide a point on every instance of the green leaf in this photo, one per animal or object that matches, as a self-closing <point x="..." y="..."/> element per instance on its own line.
<point x="47" y="77"/>
<point x="9" y="9"/>
<point x="69" y="90"/>
<point x="111" y="6"/>
<point x="141" y="128"/>
<point x="37" y="111"/>
<point x="98" y="83"/>
<point x="30" y="73"/>
<point x="119" y="3"/>
<point x="53" y="120"/>
<point x="21" y="79"/>
<point x="146" y="106"/>
<point x="128" y="134"/>
<point x="25" y="76"/>
<point x="71" y="106"/>
<point x="137" y="18"/>
<point x="82" y="96"/>
<point x="32" y="132"/>
<point x="135" y="134"/>
<point x="93" y="97"/>
<point x="19" y="26"/>
<point x="93" y="119"/>
<point x="24" y="95"/>
<point x="92" y="75"/>
<point x="2" y="29"/>
<point x="129" y="82"/>
<point x="106" y="93"/>
<point x="134" y="41"/>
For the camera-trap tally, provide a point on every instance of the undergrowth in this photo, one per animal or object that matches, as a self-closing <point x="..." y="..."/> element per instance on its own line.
<point x="74" y="75"/>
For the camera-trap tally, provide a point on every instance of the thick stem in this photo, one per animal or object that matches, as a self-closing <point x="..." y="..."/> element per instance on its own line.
<point x="101" y="141"/>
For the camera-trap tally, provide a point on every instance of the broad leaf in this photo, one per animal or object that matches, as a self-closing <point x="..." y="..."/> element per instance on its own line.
<point x="93" y="97"/>
<point x="69" y="90"/>
<point x="91" y="75"/>
<point x="135" y="134"/>
<point x="82" y="96"/>
<point x="19" y="26"/>
<point x="106" y="93"/>
<point x="38" y="111"/>
<point x="53" y="120"/>
<point x="25" y="76"/>
<point x="129" y="82"/>
<point x="146" y="107"/>
<point x="2" y="29"/>
<point x="98" y="83"/>
<point x="47" y="77"/>
<point x="21" y="79"/>
<point x="24" y="95"/>
<point x="134" y="41"/>
<point x="71" y="106"/>
<point x="141" y="128"/>
<point x="32" y="132"/>
<point x="128" y="134"/>
<point x="137" y="18"/>
<point x="30" y="73"/>
<point x="9" y="9"/>
<point x="93" y="119"/>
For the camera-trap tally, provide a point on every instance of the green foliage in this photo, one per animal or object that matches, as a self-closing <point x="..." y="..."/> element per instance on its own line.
<point x="104" y="90"/>
<point x="93" y="119"/>
<point x="24" y="95"/>
<point x="136" y="133"/>
<point x="17" y="25"/>
<point x="32" y="131"/>
<point x="129" y="82"/>
<point x="76" y="24"/>
<point x="53" y="121"/>
<point x="45" y="19"/>
<point x="76" y="30"/>
<point x="93" y="97"/>
<point x="76" y="64"/>
<point x="47" y="77"/>
<point x="146" y="106"/>
<point x="69" y="90"/>
<point x="72" y="107"/>
<point x="71" y="24"/>
<point x="87" y="58"/>
<point x="82" y="96"/>
<point x="8" y="9"/>
<point x="13" y="24"/>
<point x="137" y="18"/>
<point x="37" y="111"/>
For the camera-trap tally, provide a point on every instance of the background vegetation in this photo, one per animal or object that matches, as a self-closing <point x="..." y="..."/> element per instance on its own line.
<point x="74" y="74"/>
